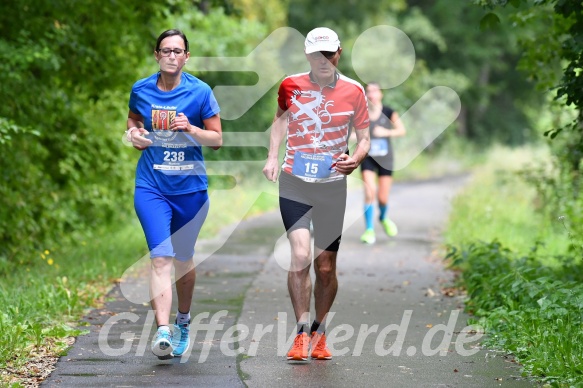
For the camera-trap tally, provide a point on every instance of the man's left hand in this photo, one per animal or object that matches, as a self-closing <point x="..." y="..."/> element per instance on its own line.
<point x="345" y="164"/>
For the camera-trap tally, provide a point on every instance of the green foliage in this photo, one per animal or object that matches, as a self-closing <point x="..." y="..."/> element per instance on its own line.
<point x="572" y="83"/>
<point x="54" y="186"/>
<point x="272" y="13"/>
<point x="8" y="129"/>
<point x="66" y="69"/>
<point x="523" y="283"/>
<point x="527" y="308"/>
<point x="558" y="192"/>
<point x="61" y="47"/>
<point x="552" y="39"/>
<point x="498" y="204"/>
<point x="422" y="30"/>
<point x="491" y="104"/>
<point x="490" y="20"/>
<point x="58" y="62"/>
<point x="305" y="15"/>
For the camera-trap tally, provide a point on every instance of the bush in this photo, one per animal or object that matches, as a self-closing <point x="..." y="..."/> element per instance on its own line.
<point x="526" y="307"/>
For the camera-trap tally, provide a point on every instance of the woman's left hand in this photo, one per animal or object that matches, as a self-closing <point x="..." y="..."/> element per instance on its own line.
<point x="181" y="123"/>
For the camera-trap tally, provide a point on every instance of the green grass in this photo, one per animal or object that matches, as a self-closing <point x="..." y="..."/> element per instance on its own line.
<point x="44" y="299"/>
<point x="498" y="205"/>
<point x="523" y="283"/>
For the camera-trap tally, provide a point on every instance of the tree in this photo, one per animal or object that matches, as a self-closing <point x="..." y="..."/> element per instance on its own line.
<point x="551" y="37"/>
<point x="66" y="69"/>
<point x="557" y="41"/>
<point x="493" y="106"/>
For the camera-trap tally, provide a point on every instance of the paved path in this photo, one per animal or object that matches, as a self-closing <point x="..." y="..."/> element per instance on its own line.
<point x="392" y="326"/>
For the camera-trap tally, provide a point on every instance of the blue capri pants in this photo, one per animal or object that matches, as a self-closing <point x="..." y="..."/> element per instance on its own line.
<point x="171" y="223"/>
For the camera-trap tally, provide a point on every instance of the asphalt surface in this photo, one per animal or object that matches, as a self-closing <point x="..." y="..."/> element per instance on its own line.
<point x="392" y="325"/>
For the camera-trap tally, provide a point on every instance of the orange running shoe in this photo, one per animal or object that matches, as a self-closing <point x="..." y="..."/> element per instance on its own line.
<point x="299" y="349"/>
<point x="319" y="349"/>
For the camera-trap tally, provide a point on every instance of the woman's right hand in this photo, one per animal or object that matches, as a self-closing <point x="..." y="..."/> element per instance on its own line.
<point x="379" y="131"/>
<point x="137" y="137"/>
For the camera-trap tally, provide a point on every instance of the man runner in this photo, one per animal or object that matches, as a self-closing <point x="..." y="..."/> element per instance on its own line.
<point x="316" y="113"/>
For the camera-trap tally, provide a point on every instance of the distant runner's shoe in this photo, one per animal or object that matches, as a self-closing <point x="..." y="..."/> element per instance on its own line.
<point x="299" y="349"/>
<point x="320" y="350"/>
<point x="162" y="344"/>
<point x="389" y="227"/>
<point x="368" y="237"/>
<point x="181" y="339"/>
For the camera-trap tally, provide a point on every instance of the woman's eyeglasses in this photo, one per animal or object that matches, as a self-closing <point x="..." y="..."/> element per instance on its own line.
<point x="166" y="52"/>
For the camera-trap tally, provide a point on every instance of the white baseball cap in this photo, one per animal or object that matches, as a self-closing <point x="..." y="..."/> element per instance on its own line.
<point x="321" y="39"/>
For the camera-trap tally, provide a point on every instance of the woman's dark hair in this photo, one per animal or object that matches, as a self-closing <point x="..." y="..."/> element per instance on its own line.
<point x="168" y="33"/>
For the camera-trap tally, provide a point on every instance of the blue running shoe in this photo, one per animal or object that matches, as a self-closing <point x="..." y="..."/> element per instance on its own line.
<point x="181" y="339"/>
<point x="162" y="344"/>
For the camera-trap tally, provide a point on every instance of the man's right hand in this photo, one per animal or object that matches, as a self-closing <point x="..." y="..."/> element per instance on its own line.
<point x="271" y="170"/>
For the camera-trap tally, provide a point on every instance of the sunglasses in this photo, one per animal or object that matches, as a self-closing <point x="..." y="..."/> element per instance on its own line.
<point x="326" y="54"/>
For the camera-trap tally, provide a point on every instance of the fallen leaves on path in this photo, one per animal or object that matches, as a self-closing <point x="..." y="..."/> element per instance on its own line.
<point x="40" y="365"/>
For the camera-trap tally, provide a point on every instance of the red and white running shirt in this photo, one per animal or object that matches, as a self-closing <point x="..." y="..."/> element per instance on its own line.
<point x="319" y="118"/>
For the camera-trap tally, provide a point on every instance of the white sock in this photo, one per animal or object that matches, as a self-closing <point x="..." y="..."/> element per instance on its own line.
<point x="163" y="328"/>
<point x="182" y="318"/>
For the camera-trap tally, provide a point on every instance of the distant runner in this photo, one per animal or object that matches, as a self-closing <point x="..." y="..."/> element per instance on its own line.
<point x="384" y="124"/>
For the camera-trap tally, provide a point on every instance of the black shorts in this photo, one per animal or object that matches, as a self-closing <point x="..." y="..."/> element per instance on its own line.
<point x="382" y="165"/>
<point x="324" y="204"/>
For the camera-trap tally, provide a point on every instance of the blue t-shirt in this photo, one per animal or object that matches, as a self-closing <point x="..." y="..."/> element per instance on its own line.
<point x="173" y="163"/>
